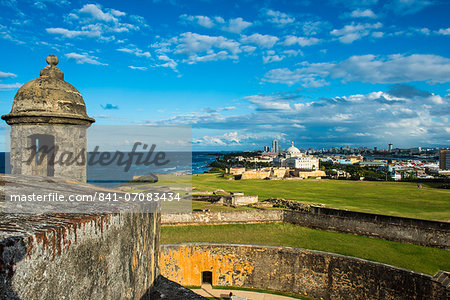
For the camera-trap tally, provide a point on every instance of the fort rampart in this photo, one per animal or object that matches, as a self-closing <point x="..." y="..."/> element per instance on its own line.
<point x="223" y="217"/>
<point x="62" y="256"/>
<point x="312" y="273"/>
<point x="408" y="230"/>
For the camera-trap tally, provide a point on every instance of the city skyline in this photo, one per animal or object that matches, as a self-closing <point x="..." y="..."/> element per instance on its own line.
<point x="244" y="73"/>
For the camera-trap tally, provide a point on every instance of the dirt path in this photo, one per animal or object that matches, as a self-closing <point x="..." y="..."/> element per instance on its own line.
<point x="208" y="291"/>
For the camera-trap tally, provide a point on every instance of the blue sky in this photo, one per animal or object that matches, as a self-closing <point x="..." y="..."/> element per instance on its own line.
<point x="321" y="73"/>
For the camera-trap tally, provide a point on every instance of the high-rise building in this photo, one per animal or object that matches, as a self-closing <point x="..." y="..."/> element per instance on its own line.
<point x="275" y="146"/>
<point x="266" y="149"/>
<point x="390" y="147"/>
<point x="444" y="159"/>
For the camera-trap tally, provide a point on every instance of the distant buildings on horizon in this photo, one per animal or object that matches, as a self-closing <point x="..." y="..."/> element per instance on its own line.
<point x="276" y="149"/>
<point x="444" y="159"/>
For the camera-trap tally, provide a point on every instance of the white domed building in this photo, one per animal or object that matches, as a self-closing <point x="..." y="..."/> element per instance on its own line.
<point x="295" y="159"/>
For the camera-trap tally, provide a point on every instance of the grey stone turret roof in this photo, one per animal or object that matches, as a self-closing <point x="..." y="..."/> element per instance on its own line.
<point x="48" y="99"/>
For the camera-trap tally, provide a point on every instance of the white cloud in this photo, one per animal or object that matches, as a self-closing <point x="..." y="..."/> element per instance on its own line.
<point x="236" y="25"/>
<point x="406" y="7"/>
<point x="168" y="62"/>
<point x="350" y="33"/>
<point x="377" y="34"/>
<point x="203" y="21"/>
<point x="135" y="51"/>
<point x="139" y="20"/>
<point x="74" y="33"/>
<point x="413" y="116"/>
<point x="227" y="108"/>
<point x="366" y="13"/>
<point x="233" y="138"/>
<point x="10" y="86"/>
<point x="91" y="21"/>
<point x="210" y="56"/>
<point x="222" y="140"/>
<point x="137" y="68"/>
<point x="272" y="58"/>
<point x="41" y="3"/>
<point x="268" y="102"/>
<point x="311" y="75"/>
<point x="444" y="31"/>
<point x="248" y="49"/>
<point x="313" y="27"/>
<point x="191" y="43"/>
<point x="95" y="12"/>
<point x="117" y="13"/>
<point x="436" y="99"/>
<point x="279" y="18"/>
<point x="7" y="75"/>
<point x="301" y="41"/>
<point x="261" y="40"/>
<point x="191" y="48"/>
<point x="394" y="68"/>
<point x="219" y="19"/>
<point x="291" y="52"/>
<point x="84" y="59"/>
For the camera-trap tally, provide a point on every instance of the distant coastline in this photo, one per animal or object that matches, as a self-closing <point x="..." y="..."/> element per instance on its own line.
<point x="104" y="176"/>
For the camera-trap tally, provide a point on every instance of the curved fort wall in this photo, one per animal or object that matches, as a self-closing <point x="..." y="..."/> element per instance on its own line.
<point x="408" y="230"/>
<point x="313" y="273"/>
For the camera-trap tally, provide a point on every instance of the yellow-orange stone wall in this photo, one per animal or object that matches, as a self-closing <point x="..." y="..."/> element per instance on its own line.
<point x="185" y="265"/>
<point x="306" y="272"/>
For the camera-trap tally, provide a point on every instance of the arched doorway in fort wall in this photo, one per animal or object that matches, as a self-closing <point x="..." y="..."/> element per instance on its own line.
<point x="42" y="147"/>
<point x="207" y="277"/>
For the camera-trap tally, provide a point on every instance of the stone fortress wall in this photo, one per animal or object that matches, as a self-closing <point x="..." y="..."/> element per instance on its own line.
<point x="311" y="273"/>
<point x="274" y="173"/>
<point x="77" y="256"/>
<point x="408" y="230"/>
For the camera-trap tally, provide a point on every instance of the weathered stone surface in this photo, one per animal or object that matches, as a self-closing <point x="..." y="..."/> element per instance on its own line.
<point x="223" y="217"/>
<point x="48" y="99"/>
<point x="406" y="230"/>
<point x="67" y="140"/>
<point x="43" y="116"/>
<point x="414" y="231"/>
<point x="234" y="200"/>
<point x="165" y="289"/>
<point x="78" y="256"/>
<point x="313" y="273"/>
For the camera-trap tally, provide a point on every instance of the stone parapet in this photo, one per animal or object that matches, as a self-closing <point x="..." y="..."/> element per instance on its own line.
<point x="305" y="272"/>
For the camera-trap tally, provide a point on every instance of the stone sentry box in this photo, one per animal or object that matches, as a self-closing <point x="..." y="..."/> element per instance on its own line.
<point x="48" y="117"/>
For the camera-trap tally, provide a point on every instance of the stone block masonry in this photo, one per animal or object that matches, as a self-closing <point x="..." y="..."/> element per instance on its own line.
<point x="313" y="273"/>
<point x="400" y="229"/>
<point x="223" y="217"/>
<point x="78" y="256"/>
<point x="405" y="230"/>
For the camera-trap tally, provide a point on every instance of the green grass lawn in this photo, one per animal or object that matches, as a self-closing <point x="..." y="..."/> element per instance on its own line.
<point x="389" y="198"/>
<point x="417" y="258"/>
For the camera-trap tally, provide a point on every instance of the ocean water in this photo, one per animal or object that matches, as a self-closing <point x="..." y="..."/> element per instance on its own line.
<point x="111" y="175"/>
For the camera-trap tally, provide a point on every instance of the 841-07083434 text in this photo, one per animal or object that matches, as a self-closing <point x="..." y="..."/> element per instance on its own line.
<point x="98" y="196"/>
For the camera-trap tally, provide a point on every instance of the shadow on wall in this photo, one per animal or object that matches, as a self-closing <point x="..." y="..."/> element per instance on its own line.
<point x="165" y="289"/>
<point x="12" y="250"/>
